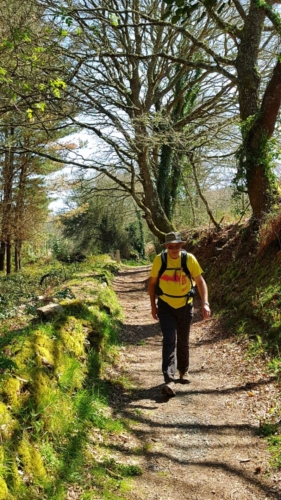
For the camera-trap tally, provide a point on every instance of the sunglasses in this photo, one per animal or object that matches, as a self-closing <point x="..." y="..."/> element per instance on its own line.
<point x="174" y="247"/>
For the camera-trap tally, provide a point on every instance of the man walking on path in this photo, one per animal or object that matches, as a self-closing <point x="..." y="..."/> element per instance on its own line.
<point x="174" y="307"/>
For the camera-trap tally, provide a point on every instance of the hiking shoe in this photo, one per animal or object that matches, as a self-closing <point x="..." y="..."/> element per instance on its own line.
<point x="169" y="389"/>
<point x="184" y="378"/>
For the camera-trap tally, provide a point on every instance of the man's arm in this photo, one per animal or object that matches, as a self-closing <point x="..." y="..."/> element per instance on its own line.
<point x="203" y="291"/>
<point x="152" y="294"/>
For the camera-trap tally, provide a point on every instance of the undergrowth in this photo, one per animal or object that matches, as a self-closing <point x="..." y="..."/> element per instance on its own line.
<point x="244" y="278"/>
<point x="54" y="412"/>
<point x="243" y="272"/>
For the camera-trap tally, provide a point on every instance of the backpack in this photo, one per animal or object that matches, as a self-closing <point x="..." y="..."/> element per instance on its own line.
<point x="164" y="258"/>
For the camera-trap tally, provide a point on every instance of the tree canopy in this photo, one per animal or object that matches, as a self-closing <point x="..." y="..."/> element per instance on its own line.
<point x="154" y="95"/>
<point x="146" y="94"/>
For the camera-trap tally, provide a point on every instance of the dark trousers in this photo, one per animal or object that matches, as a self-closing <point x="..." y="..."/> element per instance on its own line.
<point x="175" y="326"/>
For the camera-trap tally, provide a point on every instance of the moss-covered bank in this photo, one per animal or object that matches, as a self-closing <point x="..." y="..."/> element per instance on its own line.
<point x="53" y="393"/>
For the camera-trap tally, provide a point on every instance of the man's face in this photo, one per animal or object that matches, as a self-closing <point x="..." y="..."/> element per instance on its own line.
<point x="174" y="249"/>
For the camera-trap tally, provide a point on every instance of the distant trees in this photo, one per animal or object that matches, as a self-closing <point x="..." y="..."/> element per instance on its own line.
<point x="101" y="220"/>
<point x="23" y="194"/>
<point x="30" y="109"/>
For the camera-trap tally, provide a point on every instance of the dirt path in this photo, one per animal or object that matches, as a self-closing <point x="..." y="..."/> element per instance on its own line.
<point x="203" y="443"/>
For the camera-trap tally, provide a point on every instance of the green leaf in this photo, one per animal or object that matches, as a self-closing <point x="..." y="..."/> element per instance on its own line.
<point x="68" y="21"/>
<point x="63" y="32"/>
<point x="114" y="19"/>
<point x="29" y="113"/>
<point x="40" y="106"/>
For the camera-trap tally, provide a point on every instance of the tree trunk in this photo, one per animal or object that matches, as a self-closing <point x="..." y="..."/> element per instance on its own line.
<point x="163" y="181"/>
<point x="8" y="258"/>
<point x="258" y="119"/>
<point x="8" y="176"/>
<point x="246" y="62"/>
<point x="17" y="256"/>
<point x="19" y="209"/>
<point x="2" y="255"/>
<point x="154" y="214"/>
<point x="256" y="144"/>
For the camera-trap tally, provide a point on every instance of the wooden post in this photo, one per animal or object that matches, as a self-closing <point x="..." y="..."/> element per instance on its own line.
<point x="118" y="258"/>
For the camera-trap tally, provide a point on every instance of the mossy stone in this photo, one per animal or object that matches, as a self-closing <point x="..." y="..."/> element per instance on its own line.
<point x="7" y="423"/>
<point x="31" y="460"/>
<point x="4" y="492"/>
<point x="11" y="391"/>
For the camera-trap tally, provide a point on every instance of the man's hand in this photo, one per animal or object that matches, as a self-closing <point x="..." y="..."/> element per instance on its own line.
<point x="152" y="293"/>
<point x="203" y="291"/>
<point x="154" y="311"/>
<point x="206" y="311"/>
